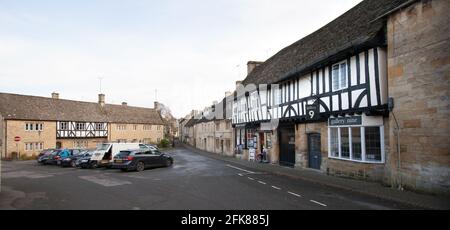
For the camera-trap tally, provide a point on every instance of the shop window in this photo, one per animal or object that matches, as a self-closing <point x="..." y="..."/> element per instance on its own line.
<point x="342" y="138"/>
<point x="345" y="147"/>
<point x="334" y="142"/>
<point x="373" y="144"/>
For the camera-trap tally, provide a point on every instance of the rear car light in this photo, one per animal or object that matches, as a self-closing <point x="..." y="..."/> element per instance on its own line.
<point x="129" y="158"/>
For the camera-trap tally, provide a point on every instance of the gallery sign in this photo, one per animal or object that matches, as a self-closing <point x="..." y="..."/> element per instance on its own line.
<point x="342" y="121"/>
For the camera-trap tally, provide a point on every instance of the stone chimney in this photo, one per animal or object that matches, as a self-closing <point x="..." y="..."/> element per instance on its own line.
<point x="124" y="103"/>
<point x="238" y="83"/>
<point x="252" y="65"/>
<point x="156" y="105"/>
<point x="101" y="99"/>
<point x="55" y="95"/>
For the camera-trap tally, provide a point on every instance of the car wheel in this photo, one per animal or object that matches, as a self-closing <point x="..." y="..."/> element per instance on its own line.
<point x="94" y="165"/>
<point x="168" y="162"/>
<point x="140" y="166"/>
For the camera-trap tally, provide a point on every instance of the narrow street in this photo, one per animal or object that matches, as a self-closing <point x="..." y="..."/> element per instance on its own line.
<point x="193" y="182"/>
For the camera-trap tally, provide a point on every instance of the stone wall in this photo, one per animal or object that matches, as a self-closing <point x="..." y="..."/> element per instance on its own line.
<point x="17" y="128"/>
<point x="139" y="134"/>
<point x="419" y="82"/>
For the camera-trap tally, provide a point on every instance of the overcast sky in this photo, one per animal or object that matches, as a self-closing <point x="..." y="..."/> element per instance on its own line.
<point x="191" y="51"/>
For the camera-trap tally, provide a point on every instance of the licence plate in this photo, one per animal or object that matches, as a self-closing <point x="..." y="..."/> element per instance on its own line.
<point x="84" y="161"/>
<point x="118" y="161"/>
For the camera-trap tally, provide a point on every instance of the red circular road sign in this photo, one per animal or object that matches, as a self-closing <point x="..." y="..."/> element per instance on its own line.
<point x="17" y="138"/>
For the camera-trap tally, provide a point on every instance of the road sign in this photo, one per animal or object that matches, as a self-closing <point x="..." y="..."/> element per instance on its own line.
<point x="17" y="138"/>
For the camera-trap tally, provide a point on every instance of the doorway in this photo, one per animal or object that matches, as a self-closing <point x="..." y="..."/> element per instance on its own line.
<point x="58" y="145"/>
<point x="314" y="153"/>
<point x="287" y="145"/>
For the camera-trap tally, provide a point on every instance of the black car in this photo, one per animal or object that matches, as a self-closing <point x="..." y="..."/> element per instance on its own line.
<point x="71" y="161"/>
<point x="84" y="161"/>
<point x="141" y="159"/>
<point x="45" y="155"/>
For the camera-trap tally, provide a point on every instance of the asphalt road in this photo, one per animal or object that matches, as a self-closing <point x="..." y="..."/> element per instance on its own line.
<point x="193" y="182"/>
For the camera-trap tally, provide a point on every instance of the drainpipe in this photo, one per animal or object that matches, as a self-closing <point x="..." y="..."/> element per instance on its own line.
<point x="397" y="134"/>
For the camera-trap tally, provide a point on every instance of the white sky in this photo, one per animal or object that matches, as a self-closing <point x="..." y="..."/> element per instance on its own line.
<point x="190" y="51"/>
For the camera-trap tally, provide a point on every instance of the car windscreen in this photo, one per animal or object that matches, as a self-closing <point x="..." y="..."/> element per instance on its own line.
<point x="103" y="147"/>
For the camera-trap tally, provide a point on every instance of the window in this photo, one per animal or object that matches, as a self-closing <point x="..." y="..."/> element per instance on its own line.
<point x="135" y="127"/>
<point x="80" y="144"/>
<point x="159" y="139"/>
<point x="356" y="143"/>
<point x="373" y="145"/>
<point x="147" y="127"/>
<point x="334" y="142"/>
<point x="80" y="126"/>
<point x="33" y="126"/>
<point x="63" y="125"/>
<point x="339" y="76"/>
<point x="99" y="126"/>
<point x="34" y="146"/>
<point x="345" y="148"/>
<point x="121" y="127"/>
<point x="363" y="144"/>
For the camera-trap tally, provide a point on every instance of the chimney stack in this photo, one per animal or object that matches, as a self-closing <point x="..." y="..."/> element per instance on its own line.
<point x="238" y="83"/>
<point x="251" y="65"/>
<point x="101" y="99"/>
<point x="55" y="95"/>
<point x="124" y="103"/>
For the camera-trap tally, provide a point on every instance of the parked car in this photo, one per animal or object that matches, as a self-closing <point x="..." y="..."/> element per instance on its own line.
<point x="104" y="154"/>
<point x="148" y="146"/>
<point x="45" y="155"/>
<point x="60" y="155"/>
<point x="71" y="160"/>
<point x="85" y="160"/>
<point x="141" y="159"/>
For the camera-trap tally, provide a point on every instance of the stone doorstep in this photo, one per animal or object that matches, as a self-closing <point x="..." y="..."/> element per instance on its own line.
<point x="374" y="189"/>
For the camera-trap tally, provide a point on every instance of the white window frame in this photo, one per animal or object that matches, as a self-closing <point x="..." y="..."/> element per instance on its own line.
<point x="363" y="144"/>
<point x="339" y="77"/>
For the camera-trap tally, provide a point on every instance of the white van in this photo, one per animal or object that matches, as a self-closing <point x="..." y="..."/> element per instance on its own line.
<point x="104" y="154"/>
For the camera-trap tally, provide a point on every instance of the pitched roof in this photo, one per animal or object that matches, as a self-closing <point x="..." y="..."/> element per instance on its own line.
<point x="23" y="107"/>
<point x="358" y="28"/>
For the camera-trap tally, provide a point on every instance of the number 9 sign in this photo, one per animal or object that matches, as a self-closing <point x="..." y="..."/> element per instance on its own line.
<point x="312" y="112"/>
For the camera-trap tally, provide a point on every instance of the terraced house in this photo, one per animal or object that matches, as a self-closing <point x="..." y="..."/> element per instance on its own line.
<point x="365" y="96"/>
<point x="42" y="123"/>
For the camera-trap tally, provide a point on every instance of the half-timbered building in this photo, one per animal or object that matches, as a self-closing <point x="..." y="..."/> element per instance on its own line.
<point x="325" y="103"/>
<point x="43" y="123"/>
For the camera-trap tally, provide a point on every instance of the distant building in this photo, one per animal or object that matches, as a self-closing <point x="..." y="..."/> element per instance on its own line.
<point x="43" y="123"/>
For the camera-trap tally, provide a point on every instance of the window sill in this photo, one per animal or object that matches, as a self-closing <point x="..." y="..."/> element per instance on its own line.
<point x="357" y="161"/>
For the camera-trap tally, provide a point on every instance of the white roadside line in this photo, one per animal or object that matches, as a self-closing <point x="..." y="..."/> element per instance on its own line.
<point x="261" y="182"/>
<point x="240" y="174"/>
<point x="275" y="187"/>
<point x="318" y="203"/>
<point x="250" y="178"/>
<point x="247" y="171"/>
<point x="295" y="194"/>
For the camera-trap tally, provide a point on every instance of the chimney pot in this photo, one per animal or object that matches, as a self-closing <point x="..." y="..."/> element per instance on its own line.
<point x="251" y="65"/>
<point x="55" y="95"/>
<point x="124" y="103"/>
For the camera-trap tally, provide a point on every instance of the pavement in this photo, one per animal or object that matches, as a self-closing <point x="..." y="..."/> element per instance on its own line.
<point x="196" y="181"/>
<point x="375" y="189"/>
